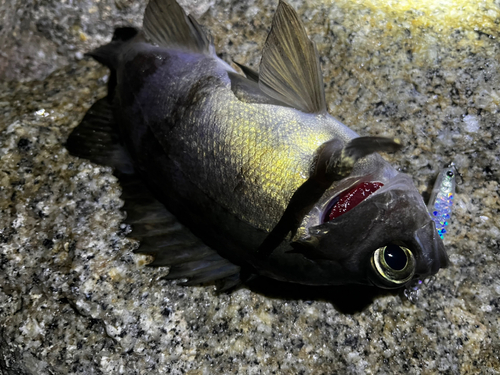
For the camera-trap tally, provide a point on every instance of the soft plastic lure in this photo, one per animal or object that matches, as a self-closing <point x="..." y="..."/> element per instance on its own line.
<point x="440" y="206"/>
<point x="441" y="201"/>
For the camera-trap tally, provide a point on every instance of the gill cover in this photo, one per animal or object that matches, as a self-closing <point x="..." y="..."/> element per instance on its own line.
<point x="333" y="162"/>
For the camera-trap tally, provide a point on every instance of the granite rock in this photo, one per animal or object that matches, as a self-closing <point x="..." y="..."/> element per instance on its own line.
<point x="74" y="297"/>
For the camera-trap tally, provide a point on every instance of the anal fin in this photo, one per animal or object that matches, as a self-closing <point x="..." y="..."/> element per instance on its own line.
<point x="249" y="72"/>
<point x="248" y="91"/>
<point x="289" y="70"/>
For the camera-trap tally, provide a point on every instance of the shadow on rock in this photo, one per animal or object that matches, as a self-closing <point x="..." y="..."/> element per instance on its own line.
<point x="347" y="299"/>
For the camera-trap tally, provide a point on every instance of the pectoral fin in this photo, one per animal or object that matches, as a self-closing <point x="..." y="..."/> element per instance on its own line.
<point x="301" y="203"/>
<point x="333" y="163"/>
<point x="289" y="69"/>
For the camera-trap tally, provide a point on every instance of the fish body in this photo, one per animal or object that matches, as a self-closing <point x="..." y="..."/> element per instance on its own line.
<point x="255" y="166"/>
<point x="251" y="158"/>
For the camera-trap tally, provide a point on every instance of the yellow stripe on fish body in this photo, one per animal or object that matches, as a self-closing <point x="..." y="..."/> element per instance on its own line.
<point x="260" y="154"/>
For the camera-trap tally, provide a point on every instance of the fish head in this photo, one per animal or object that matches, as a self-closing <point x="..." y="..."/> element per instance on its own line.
<point x="386" y="240"/>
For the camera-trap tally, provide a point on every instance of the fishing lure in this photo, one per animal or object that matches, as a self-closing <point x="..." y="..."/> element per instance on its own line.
<point x="441" y="201"/>
<point x="440" y="207"/>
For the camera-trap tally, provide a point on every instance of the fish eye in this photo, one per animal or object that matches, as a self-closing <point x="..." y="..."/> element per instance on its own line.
<point x="392" y="266"/>
<point x="450" y="173"/>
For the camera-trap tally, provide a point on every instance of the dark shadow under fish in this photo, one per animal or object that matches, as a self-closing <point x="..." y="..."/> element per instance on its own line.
<point x="226" y="175"/>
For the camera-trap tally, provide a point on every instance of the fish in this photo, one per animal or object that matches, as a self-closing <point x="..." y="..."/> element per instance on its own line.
<point x="227" y="176"/>
<point x="441" y="200"/>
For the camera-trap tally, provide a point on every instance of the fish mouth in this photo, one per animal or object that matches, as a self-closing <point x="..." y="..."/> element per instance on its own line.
<point x="349" y="198"/>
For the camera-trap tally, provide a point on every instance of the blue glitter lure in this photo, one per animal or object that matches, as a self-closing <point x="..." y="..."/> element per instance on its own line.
<point x="441" y="201"/>
<point x="439" y="206"/>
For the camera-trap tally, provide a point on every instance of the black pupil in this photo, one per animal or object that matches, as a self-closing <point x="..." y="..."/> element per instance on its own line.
<point x="449" y="173"/>
<point x="395" y="257"/>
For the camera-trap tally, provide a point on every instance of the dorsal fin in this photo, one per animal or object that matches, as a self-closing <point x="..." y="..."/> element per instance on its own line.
<point x="289" y="69"/>
<point x="164" y="237"/>
<point x="248" y="91"/>
<point x="249" y="72"/>
<point x="167" y="25"/>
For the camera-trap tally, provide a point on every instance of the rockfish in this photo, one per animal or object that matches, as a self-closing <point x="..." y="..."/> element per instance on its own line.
<point x="224" y="172"/>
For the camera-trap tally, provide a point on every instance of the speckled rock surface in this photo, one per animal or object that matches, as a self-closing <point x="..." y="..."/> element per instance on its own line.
<point x="75" y="299"/>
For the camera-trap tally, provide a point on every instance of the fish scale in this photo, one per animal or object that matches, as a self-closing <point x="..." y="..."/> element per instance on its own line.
<point x="266" y="159"/>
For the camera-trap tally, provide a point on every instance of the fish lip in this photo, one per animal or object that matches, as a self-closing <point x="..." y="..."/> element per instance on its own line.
<point x="426" y="240"/>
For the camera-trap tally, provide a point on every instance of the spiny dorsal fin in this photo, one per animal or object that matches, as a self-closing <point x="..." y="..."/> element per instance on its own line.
<point x="289" y="69"/>
<point x="167" y="25"/>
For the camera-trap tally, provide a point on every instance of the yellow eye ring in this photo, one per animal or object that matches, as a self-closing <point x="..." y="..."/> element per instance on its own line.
<point x="392" y="266"/>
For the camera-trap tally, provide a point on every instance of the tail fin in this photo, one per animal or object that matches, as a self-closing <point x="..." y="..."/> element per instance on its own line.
<point x="107" y="54"/>
<point x="97" y="140"/>
<point x="167" y="25"/>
